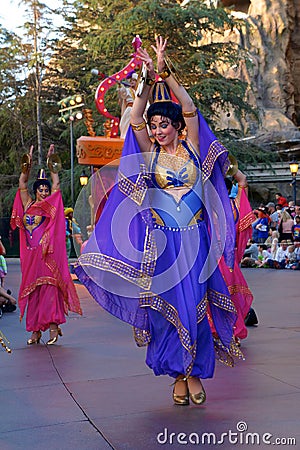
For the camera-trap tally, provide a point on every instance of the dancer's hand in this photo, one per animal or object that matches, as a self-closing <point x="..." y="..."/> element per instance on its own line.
<point x="51" y="150"/>
<point x="147" y="60"/>
<point x="30" y="155"/>
<point x="161" y="45"/>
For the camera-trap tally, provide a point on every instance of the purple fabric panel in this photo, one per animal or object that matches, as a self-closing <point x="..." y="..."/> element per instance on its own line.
<point x="120" y="307"/>
<point x="206" y="137"/>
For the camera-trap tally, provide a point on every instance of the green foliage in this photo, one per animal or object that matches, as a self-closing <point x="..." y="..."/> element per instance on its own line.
<point x="246" y="153"/>
<point x="104" y="31"/>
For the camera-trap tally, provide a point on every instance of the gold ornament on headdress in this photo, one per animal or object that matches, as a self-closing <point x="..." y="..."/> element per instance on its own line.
<point x="41" y="175"/>
<point x="160" y="92"/>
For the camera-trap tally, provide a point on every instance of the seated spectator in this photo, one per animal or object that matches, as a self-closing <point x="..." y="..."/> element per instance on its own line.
<point x="250" y="254"/>
<point x="262" y="225"/>
<point x="279" y="261"/>
<point x="296" y="264"/>
<point x="263" y="256"/>
<point x="296" y="229"/>
<point x="285" y="227"/>
<point x="281" y="200"/>
<point x="7" y="301"/>
<point x="291" y="257"/>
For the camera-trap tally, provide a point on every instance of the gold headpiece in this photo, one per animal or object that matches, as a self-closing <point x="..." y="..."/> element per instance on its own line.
<point x="41" y="175"/>
<point x="161" y="92"/>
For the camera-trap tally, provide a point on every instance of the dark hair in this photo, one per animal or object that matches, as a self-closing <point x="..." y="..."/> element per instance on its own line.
<point x="228" y="183"/>
<point x="263" y="246"/>
<point x="41" y="182"/>
<point x="170" y="110"/>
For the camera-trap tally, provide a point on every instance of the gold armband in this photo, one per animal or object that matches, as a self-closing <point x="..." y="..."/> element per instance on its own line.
<point x="55" y="190"/>
<point x="138" y="126"/>
<point x="150" y="81"/>
<point x="189" y="113"/>
<point x="23" y="190"/>
<point x="165" y="73"/>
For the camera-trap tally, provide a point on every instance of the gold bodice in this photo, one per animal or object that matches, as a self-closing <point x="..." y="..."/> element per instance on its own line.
<point x="174" y="170"/>
<point x="32" y="222"/>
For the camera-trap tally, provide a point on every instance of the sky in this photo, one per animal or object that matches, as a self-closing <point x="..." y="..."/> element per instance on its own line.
<point x="12" y="14"/>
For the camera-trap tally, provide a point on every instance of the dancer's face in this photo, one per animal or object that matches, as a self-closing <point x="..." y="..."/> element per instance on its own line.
<point x="163" y="130"/>
<point x="42" y="192"/>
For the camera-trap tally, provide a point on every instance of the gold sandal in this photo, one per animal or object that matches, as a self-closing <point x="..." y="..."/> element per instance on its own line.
<point x="35" y="340"/>
<point x="58" y="332"/>
<point x="182" y="400"/>
<point x="200" y="397"/>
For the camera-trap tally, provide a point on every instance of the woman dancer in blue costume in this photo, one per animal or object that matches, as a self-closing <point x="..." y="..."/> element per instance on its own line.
<point x="152" y="260"/>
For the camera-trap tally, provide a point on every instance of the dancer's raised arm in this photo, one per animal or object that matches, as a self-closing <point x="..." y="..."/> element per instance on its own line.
<point x="189" y="110"/>
<point x="24" y="177"/>
<point x="137" y="120"/>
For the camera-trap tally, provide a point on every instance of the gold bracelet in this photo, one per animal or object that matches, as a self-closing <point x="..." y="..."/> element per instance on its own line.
<point x="165" y="73"/>
<point x="150" y="81"/>
<point x="55" y="190"/>
<point x="189" y="113"/>
<point x="23" y="190"/>
<point x="138" y="126"/>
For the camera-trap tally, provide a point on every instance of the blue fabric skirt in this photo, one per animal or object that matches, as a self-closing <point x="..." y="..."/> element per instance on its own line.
<point x="179" y="305"/>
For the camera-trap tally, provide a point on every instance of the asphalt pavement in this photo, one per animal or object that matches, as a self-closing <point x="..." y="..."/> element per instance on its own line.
<point x="93" y="391"/>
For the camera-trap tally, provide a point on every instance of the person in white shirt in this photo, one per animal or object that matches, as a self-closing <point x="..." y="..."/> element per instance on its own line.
<point x="280" y="258"/>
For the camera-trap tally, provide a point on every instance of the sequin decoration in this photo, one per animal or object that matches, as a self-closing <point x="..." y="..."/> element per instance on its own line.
<point x="135" y="191"/>
<point x="215" y="150"/>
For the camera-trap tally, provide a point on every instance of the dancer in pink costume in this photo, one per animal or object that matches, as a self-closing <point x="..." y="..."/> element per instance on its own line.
<point x="240" y="293"/>
<point x="47" y="289"/>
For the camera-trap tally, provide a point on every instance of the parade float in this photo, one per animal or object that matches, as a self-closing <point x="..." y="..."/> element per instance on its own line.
<point x="102" y="153"/>
<point x="97" y="151"/>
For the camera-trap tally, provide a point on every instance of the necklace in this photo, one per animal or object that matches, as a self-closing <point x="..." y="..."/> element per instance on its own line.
<point x="173" y="161"/>
<point x="180" y="151"/>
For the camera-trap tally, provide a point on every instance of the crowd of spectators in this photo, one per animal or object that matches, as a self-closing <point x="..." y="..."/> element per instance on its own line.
<point x="275" y="240"/>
